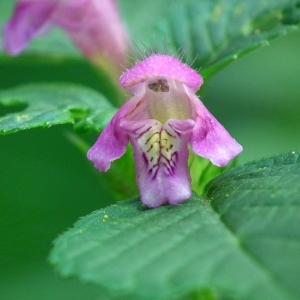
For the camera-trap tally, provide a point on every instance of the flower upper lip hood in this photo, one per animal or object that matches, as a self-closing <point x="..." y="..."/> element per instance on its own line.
<point x="163" y="66"/>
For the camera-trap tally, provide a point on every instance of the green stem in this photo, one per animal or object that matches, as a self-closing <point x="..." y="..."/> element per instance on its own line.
<point x="77" y="141"/>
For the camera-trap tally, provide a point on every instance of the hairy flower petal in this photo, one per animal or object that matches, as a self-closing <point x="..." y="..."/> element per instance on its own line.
<point x="161" y="66"/>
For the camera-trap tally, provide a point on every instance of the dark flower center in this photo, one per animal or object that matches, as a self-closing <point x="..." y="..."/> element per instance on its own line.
<point x="161" y="85"/>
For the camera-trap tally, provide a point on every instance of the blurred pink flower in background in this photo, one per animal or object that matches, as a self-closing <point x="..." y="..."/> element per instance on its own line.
<point x="94" y="26"/>
<point x="161" y="120"/>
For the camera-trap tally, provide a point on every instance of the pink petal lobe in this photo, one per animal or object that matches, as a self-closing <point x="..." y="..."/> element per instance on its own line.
<point x="112" y="142"/>
<point x="210" y="139"/>
<point x="29" y="20"/>
<point x="111" y="145"/>
<point x="161" y="66"/>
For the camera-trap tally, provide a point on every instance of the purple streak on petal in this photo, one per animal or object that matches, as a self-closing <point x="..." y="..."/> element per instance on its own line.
<point x="210" y="139"/>
<point x="113" y="141"/>
<point x="163" y="174"/>
<point x="161" y="66"/>
<point x="30" y="19"/>
<point x="173" y="189"/>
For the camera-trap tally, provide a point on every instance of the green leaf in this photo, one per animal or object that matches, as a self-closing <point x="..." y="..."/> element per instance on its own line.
<point x="242" y="241"/>
<point x="46" y="105"/>
<point x="211" y="33"/>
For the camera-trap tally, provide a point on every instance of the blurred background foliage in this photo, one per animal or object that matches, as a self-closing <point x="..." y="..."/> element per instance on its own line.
<point x="42" y="193"/>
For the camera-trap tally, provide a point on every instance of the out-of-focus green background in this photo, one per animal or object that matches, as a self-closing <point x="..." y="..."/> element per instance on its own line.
<point x="46" y="183"/>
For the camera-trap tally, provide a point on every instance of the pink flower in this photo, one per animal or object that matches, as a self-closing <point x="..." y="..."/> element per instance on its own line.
<point x="93" y="25"/>
<point x="162" y="118"/>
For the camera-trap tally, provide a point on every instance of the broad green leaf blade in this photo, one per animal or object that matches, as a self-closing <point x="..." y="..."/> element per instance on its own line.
<point x="46" y="105"/>
<point x="242" y="242"/>
<point x="212" y="33"/>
